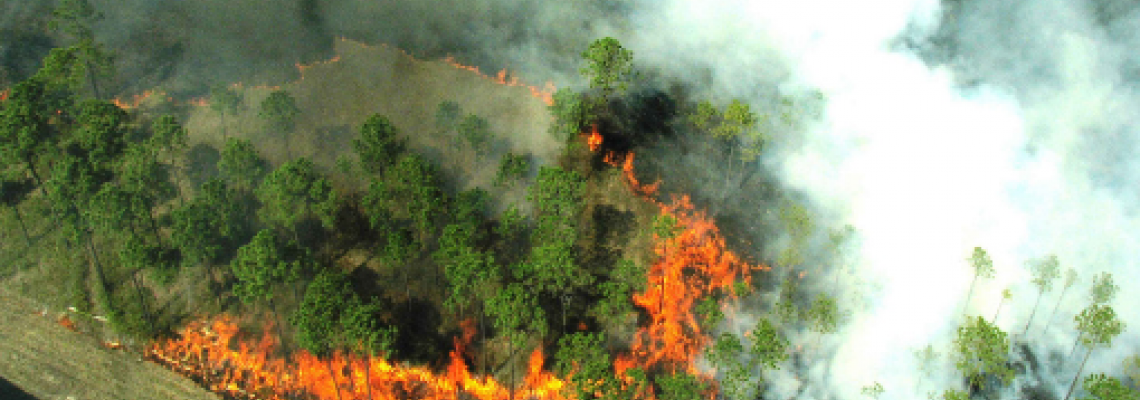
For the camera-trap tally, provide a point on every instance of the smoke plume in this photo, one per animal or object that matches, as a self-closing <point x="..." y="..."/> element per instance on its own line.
<point x="1006" y="124"/>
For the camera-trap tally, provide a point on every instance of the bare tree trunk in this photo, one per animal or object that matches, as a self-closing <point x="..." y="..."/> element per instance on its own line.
<point x="23" y="227"/>
<point x="1075" y="378"/>
<point x="1039" y="296"/>
<point x="1075" y="342"/>
<point x="1054" y="314"/>
<point x="998" y="311"/>
<point x="970" y="294"/>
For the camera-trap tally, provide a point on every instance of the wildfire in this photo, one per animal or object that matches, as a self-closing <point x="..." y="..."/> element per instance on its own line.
<point x="4" y="95"/>
<point x="206" y="352"/>
<point x="546" y="93"/>
<point x="595" y="139"/>
<point x="139" y="99"/>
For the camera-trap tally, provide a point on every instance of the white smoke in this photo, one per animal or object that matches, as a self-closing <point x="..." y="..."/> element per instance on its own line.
<point x="1034" y="157"/>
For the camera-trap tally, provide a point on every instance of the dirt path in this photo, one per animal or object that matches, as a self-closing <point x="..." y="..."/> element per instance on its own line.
<point x="48" y="361"/>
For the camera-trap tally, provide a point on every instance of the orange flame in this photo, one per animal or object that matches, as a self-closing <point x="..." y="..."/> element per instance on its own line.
<point x="4" y="95"/>
<point x="546" y="93"/>
<point x="251" y="370"/>
<point x="66" y="322"/>
<point x="691" y="265"/>
<point x="595" y="139"/>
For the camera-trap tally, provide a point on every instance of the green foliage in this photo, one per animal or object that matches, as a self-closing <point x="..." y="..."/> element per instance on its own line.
<point x="294" y="191"/>
<point x="361" y="329"/>
<point x="318" y="318"/>
<point x="681" y="386"/>
<point x="926" y="358"/>
<point x="769" y="346"/>
<point x="168" y="134"/>
<point x="953" y="394"/>
<point x="609" y="65"/>
<point x="280" y="110"/>
<point x="515" y="310"/>
<point x="265" y="262"/>
<point x="224" y="100"/>
<point x="447" y="115"/>
<point x="725" y="354"/>
<point x="583" y="357"/>
<point x="379" y="144"/>
<point x="665" y="227"/>
<point x="112" y="211"/>
<point x="398" y="247"/>
<point x="709" y="310"/>
<point x="1103" y="289"/>
<point x="512" y="168"/>
<point x="470" y="207"/>
<point x="476" y="131"/>
<point x="873" y="391"/>
<point x="469" y="270"/>
<point x="557" y="195"/>
<point x="1098" y="325"/>
<point x="1045" y="271"/>
<point x="141" y="175"/>
<point x="786" y="309"/>
<point x="25" y="130"/>
<point x="982" y="349"/>
<point x="981" y="263"/>
<point x="74" y="18"/>
<point x="823" y="316"/>
<point x="624" y="279"/>
<point x="571" y="114"/>
<point x="241" y="165"/>
<point x="102" y="131"/>
<point x="68" y="67"/>
<point x="414" y="192"/>
<point x="208" y="225"/>
<point x="1103" y="387"/>
<point x="797" y="221"/>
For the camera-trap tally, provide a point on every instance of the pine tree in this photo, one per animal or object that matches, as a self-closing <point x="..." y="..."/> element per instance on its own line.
<point x="1044" y="272"/>
<point x="983" y="266"/>
<point x="1098" y="325"/>
<point x="1070" y="279"/>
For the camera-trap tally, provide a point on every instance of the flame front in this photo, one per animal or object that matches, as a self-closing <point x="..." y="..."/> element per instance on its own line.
<point x="206" y="352"/>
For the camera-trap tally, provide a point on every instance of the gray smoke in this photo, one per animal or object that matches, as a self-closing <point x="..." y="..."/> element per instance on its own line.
<point x="1002" y="124"/>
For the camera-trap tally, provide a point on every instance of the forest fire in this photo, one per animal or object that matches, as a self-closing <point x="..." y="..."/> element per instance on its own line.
<point x="692" y="263"/>
<point x="546" y="93"/>
<point x="206" y="353"/>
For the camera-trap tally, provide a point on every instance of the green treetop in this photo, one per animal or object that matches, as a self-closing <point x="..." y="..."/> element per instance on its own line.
<point x="265" y="262"/>
<point x="379" y="145"/>
<point x="1045" y="271"/>
<point x="609" y="65"/>
<point x="296" y="190"/>
<point x="280" y="110"/>
<point x="241" y="165"/>
<point x="981" y="349"/>
<point x="1103" y="387"/>
<point x="982" y="265"/>
<point x="1103" y="289"/>
<point x="1098" y="325"/>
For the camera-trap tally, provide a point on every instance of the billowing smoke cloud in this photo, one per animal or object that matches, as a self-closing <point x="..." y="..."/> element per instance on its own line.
<point x="1008" y="125"/>
<point x="1005" y="124"/>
